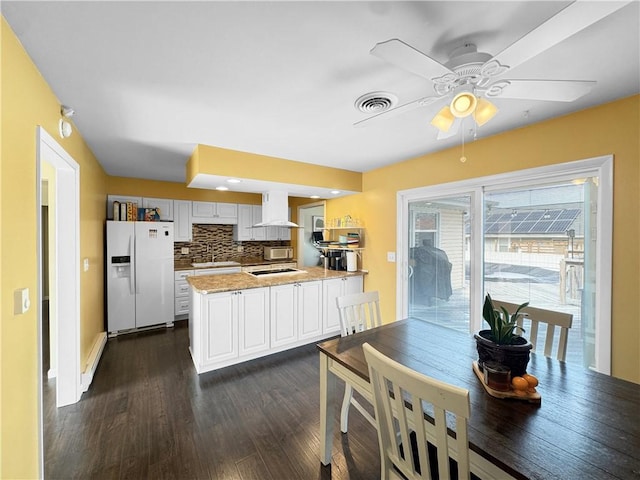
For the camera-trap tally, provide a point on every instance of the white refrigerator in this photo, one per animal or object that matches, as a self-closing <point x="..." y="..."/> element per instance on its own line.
<point x="139" y="275"/>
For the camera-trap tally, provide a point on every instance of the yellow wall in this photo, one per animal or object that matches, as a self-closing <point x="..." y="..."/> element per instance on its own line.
<point x="27" y="101"/>
<point x="609" y="129"/>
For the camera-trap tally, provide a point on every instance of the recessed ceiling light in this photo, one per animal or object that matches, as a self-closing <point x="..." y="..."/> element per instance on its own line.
<point x="233" y="180"/>
<point x="314" y="196"/>
<point x="335" y="192"/>
<point x="222" y="188"/>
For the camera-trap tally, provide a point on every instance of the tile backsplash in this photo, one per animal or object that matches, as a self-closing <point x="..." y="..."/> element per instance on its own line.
<point x="218" y="239"/>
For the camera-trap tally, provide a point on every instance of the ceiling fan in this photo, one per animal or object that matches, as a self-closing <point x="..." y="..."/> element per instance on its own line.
<point x="470" y="78"/>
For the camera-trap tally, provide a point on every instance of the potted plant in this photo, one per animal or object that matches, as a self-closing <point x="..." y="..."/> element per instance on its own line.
<point x="502" y="343"/>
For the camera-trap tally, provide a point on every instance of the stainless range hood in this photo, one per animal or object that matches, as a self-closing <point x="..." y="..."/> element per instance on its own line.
<point x="275" y="210"/>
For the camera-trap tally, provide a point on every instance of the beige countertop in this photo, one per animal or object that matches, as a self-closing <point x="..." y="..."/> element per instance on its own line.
<point x="240" y="281"/>
<point x="243" y="261"/>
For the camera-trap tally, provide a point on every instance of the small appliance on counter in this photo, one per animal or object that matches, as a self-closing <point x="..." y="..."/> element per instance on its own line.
<point x="278" y="253"/>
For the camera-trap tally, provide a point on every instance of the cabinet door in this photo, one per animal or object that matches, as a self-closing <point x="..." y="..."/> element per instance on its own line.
<point x="331" y="289"/>
<point x="165" y="206"/>
<point x="353" y="284"/>
<point x="182" y="231"/>
<point x="227" y="212"/>
<point x="309" y="309"/>
<point x="253" y="320"/>
<point x="203" y="209"/>
<point x="284" y="327"/>
<point x="220" y="338"/>
<point x="248" y="215"/>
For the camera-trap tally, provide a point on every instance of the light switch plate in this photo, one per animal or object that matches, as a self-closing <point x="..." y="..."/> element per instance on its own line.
<point x="391" y="256"/>
<point x="21" y="302"/>
<point x="85" y="264"/>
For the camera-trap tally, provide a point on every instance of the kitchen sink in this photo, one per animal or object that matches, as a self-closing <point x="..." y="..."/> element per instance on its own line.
<point x="216" y="264"/>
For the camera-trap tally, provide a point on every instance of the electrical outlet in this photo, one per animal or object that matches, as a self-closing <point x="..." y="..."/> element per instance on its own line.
<point x="184" y="250"/>
<point x="240" y="248"/>
<point x="85" y="264"/>
<point x="391" y="256"/>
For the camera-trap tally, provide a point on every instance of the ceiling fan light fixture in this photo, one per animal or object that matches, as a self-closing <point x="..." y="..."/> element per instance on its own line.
<point x="485" y="111"/>
<point x="443" y="120"/>
<point x="463" y="104"/>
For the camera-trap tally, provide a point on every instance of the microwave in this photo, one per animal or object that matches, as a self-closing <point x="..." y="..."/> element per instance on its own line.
<point x="278" y="253"/>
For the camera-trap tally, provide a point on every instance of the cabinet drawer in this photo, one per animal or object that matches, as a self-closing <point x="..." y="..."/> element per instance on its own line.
<point x="183" y="274"/>
<point x="182" y="306"/>
<point x="181" y="288"/>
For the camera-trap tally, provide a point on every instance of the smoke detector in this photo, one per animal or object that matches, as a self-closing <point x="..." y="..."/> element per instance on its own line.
<point x="376" y="102"/>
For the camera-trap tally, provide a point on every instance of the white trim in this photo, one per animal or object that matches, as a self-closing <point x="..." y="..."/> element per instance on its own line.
<point x="601" y="166"/>
<point x="67" y="272"/>
<point x="93" y="361"/>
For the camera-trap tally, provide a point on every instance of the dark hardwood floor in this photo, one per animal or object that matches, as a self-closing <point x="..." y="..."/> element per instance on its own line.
<point x="148" y="415"/>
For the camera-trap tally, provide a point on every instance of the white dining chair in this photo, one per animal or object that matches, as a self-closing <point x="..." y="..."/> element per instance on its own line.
<point x="400" y="395"/>
<point x="531" y="323"/>
<point x="357" y="312"/>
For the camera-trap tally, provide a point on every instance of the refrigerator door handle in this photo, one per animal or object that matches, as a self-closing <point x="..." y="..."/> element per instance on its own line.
<point x="132" y="267"/>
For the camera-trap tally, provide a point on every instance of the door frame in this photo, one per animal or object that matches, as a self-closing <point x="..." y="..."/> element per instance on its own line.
<point x="601" y="166"/>
<point x="66" y="269"/>
<point x="301" y="240"/>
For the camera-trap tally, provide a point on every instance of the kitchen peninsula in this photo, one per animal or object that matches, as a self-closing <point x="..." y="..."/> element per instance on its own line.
<point x="237" y="317"/>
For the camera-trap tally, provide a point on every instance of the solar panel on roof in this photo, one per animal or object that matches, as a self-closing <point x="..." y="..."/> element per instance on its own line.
<point x="523" y="227"/>
<point x="560" y="226"/>
<point x="569" y="214"/>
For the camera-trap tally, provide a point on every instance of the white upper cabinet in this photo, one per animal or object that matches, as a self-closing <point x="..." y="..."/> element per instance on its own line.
<point x="165" y="205"/>
<point x="214" y="213"/>
<point x="182" y="231"/>
<point x="248" y="216"/>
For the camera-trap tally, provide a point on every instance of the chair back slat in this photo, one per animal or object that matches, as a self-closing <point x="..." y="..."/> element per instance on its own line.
<point x="399" y="397"/>
<point x="552" y="319"/>
<point x="359" y="312"/>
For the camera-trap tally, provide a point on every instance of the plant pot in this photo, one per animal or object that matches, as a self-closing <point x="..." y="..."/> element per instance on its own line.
<point x="515" y="357"/>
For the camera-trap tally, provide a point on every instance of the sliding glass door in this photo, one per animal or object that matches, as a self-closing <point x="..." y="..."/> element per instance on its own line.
<point x="438" y="273"/>
<point x="541" y="235"/>
<point x="538" y="248"/>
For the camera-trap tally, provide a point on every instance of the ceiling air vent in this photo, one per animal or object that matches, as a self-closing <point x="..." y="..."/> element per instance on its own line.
<point x="376" y="102"/>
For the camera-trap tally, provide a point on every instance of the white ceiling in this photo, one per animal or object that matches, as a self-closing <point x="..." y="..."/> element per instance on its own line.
<point x="149" y="80"/>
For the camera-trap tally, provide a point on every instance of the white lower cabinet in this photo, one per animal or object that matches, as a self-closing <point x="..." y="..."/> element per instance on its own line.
<point x="231" y="327"/>
<point x="227" y="327"/>
<point x="296" y="313"/>
<point x="332" y="289"/>
<point x="181" y="292"/>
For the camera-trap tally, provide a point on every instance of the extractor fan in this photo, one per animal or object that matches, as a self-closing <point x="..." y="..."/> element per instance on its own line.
<point x="470" y="78"/>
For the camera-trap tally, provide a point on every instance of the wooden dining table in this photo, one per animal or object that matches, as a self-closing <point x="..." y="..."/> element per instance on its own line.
<point x="587" y="425"/>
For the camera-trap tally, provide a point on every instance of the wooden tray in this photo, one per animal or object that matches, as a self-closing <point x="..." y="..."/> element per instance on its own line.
<point x="534" y="397"/>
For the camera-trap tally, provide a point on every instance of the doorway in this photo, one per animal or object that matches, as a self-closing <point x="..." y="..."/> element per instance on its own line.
<point x="311" y="219"/>
<point x="62" y="175"/>
<point x="542" y="235"/>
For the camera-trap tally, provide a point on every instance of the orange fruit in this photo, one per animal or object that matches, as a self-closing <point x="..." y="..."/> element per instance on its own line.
<point x="519" y="383"/>
<point x="531" y="380"/>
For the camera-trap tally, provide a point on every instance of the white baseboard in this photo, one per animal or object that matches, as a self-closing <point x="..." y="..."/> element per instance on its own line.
<point x="93" y="360"/>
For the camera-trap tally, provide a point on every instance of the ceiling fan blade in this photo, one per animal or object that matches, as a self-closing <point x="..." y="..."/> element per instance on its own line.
<point x="452" y="131"/>
<point x="421" y="102"/>
<point x="408" y="58"/>
<point x="570" y="20"/>
<point x="549" y="90"/>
